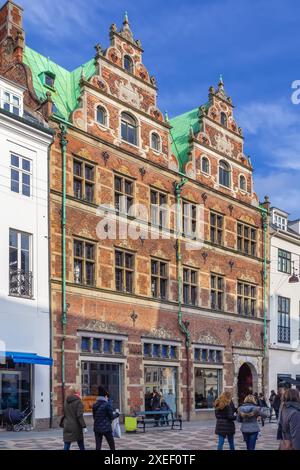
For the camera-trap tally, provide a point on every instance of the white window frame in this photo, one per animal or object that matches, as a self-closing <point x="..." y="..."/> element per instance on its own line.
<point x="106" y="121"/>
<point x="21" y="172"/>
<point x="6" y="87"/>
<point x="159" y="150"/>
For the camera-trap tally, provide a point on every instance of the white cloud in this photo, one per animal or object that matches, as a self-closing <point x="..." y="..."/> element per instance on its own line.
<point x="273" y="129"/>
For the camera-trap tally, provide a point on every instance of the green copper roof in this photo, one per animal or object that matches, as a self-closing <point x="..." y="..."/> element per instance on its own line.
<point x="66" y="86"/>
<point x="180" y="131"/>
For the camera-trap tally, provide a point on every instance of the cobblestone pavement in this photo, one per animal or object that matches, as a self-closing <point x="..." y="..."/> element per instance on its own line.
<point x="194" y="436"/>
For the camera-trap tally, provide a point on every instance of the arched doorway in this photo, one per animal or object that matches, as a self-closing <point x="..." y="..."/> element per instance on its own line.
<point x="245" y="382"/>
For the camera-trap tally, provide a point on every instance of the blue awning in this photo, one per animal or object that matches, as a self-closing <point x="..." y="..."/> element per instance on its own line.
<point x="29" y="358"/>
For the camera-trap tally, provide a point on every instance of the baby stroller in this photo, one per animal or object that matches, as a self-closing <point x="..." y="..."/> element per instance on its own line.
<point x="17" y="420"/>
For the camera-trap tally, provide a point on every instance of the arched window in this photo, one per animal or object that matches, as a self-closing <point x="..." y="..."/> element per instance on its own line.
<point x="128" y="128"/>
<point x="128" y="64"/>
<point x="223" y="119"/>
<point x="205" y="165"/>
<point x="224" y="174"/>
<point x="101" y="116"/>
<point x="243" y="183"/>
<point x="155" y="141"/>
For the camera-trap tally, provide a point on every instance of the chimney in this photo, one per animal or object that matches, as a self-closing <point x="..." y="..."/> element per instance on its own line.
<point x="11" y="28"/>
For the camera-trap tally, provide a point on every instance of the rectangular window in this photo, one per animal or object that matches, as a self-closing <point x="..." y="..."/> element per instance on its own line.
<point x="163" y="380"/>
<point x="96" y="345"/>
<point x="217" y="292"/>
<point x="94" y="374"/>
<point x="208" y="386"/>
<point x="84" y="262"/>
<point x="246" y="239"/>
<point x="246" y="299"/>
<point x="85" y="344"/>
<point x="159" y="208"/>
<point x="20" y="175"/>
<point x="123" y="195"/>
<point x="284" y="306"/>
<point x="117" y="347"/>
<point x="190" y="286"/>
<point x="124" y="271"/>
<point x="83" y="180"/>
<point x="11" y="102"/>
<point x="20" y="261"/>
<point x="284" y="261"/>
<point x="189" y="219"/>
<point x="208" y="355"/>
<point x="216" y="228"/>
<point x="159" y="279"/>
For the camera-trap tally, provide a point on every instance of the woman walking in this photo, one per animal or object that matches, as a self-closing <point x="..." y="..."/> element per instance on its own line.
<point x="225" y="414"/>
<point x="73" y="421"/>
<point x="103" y="417"/>
<point x="247" y="415"/>
<point x="290" y="420"/>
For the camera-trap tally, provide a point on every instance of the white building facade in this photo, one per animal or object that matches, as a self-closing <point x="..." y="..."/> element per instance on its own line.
<point x="25" y="362"/>
<point x="284" y="349"/>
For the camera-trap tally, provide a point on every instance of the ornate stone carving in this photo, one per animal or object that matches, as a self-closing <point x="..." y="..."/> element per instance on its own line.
<point x="224" y="145"/>
<point x="101" y="326"/>
<point x="207" y="338"/>
<point x="247" y="342"/>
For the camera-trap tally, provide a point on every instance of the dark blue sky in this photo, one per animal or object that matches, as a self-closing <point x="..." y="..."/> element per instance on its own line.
<point x="188" y="44"/>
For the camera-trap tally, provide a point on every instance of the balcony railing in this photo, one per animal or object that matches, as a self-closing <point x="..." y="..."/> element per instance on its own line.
<point x="284" y="334"/>
<point x="20" y="283"/>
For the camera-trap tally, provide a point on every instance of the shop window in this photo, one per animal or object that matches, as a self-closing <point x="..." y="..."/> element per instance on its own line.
<point x="207" y="387"/>
<point x="94" y="374"/>
<point x="161" y="380"/>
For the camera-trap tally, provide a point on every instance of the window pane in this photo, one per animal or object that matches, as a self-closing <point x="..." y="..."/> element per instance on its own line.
<point x="14" y="160"/>
<point x="118" y="347"/>
<point x="26" y="165"/>
<point x="24" y="241"/>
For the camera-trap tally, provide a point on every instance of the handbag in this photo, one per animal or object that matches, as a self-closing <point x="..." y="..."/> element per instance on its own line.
<point x="62" y="420"/>
<point x="116" y="429"/>
<point x="285" y="444"/>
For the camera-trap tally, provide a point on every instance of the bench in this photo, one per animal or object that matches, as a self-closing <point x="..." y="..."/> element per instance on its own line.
<point x="158" y="419"/>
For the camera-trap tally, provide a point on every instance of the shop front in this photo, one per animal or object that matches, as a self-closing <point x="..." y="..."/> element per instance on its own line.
<point x="17" y="380"/>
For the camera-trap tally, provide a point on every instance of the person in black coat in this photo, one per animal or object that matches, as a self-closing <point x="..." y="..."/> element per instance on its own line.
<point x="103" y="416"/>
<point x="225" y="414"/>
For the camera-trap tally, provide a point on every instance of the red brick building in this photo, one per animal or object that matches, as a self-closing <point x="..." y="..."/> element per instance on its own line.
<point x="183" y="313"/>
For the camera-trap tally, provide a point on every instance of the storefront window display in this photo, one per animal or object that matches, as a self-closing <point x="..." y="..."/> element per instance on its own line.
<point x="15" y="385"/>
<point x="94" y="374"/>
<point x="207" y="387"/>
<point x="163" y="380"/>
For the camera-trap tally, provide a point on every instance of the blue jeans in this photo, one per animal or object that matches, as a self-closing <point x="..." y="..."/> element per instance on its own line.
<point x="230" y="438"/>
<point x="250" y="438"/>
<point x="80" y="445"/>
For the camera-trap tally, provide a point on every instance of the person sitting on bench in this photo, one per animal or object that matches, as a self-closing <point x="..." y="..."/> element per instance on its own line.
<point x="164" y="407"/>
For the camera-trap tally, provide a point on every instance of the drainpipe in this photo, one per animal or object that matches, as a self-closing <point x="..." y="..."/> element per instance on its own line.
<point x="264" y="215"/>
<point x="63" y="142"/>
<point x="182" y="325"/>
